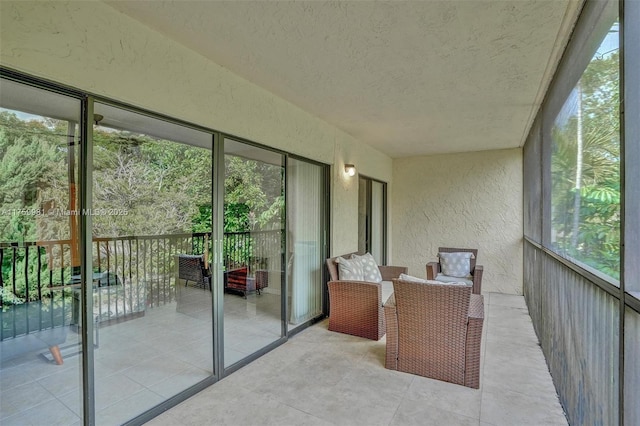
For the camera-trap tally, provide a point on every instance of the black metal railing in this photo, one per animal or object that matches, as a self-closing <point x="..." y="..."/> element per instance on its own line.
<point x="252" y="249"/>
<point x="40" y="285"/>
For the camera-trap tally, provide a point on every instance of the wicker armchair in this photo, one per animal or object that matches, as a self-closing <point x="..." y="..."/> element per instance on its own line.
<point x="192" y="268"/>
<point x="356" y="306"/>
<point x="434" y="270"/>
<point x="435" y="330"/>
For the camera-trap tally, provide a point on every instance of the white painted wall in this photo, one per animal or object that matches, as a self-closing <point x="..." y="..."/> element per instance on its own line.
<point x="461" y="200"/>
<point x="90" y="46"/>
<point x="472" y="199"/>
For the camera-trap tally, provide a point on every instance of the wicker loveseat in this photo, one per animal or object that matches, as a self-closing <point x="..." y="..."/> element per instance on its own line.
<point x="435" y="330"/>
<point x="355" y="307"/>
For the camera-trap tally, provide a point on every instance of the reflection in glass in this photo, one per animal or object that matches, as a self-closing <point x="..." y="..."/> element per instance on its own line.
<point x="364" y="228"/>
<point x="585" y="165"/>
<point x="252" y="249"/>
<point x="39" y="344"/>
<point x="153" y="312"/>
<point x="371" y="218"/>
<point x="377" y="221"/>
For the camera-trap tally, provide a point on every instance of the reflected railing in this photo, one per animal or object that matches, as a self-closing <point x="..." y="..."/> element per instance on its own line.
<point x="40" y="285"/>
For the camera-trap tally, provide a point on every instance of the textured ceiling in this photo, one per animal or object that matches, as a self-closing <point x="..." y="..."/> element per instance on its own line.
<point x="407" y="77"/>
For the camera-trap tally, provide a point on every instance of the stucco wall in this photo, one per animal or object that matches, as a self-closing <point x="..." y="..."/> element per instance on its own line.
<point x="90" y="46"/>
<point x="461" y="200"/>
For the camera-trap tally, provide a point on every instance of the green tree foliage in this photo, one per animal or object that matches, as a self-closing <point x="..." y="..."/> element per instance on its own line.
<point x="159" y="187"/>
<point x="32" y="156"/>
<point x="158" y="184"/>
<point x="254" y="201"/>
<point x="590" y="234"/>
<point x="254" y="197"/>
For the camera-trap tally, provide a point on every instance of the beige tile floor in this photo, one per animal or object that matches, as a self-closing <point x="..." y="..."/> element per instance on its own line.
<point x="138" y="364"/>
<point x="318" y="377"/>
<point x="324" y="378"/>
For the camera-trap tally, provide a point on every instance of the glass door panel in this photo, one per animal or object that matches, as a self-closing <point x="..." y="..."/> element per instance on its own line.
<point x="377" y="221"/>
<point x="253" y="247"/>
<point x="364" y="224"/>
<point x="306" y="226"/>
<point x="151" y="213"/>
<point x="41" y="356"/>
<point x="372" y="218"/>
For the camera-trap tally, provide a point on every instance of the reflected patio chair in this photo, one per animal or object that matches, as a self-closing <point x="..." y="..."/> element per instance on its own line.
<point x="192" y="268"/>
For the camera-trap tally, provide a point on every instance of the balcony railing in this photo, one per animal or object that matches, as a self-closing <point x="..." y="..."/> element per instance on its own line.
<point x="40" y="286"/>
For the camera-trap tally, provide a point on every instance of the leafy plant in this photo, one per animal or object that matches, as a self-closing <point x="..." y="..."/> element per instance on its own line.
<point x="585" y="170"/>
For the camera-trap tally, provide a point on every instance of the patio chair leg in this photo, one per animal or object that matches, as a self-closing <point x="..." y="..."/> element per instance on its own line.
<point x="55" y="353"/>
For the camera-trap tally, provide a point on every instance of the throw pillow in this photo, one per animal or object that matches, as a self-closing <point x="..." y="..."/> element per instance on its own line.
<point x="370" y="269"/>
<point x="405" y="277"/>
<point x="457" y="264"/>
<point x="349" y="269"/>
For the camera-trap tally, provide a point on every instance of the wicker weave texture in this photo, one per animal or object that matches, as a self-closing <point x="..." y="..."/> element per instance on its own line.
<point x="435" y="331"/>
<point x="389" y="272"/>
<point x="474" y="340"/>
<point x="355" y="307"/>
<point x="391" y="321"/>
<point x="191" y="268"/>
<point x="434" y="268"/>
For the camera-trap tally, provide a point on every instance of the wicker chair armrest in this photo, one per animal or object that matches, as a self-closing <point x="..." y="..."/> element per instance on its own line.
<point x="433" y="268"/>
<point x="355" y="285"/>
<point x="473" y="341"/>
<point x="355" y="293"/>
<point x="391" y="321"/>
<point x="389" y="272"/>
<point x="355" y="307"/>
<point x="476" y="308"/>
<point x="477" y="279"/>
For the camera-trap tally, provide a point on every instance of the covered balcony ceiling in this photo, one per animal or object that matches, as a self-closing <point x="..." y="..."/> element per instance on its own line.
<point x="407" y="77"/>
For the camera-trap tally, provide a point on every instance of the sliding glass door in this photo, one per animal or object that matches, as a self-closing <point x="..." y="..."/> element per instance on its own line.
<point x="140" y="261"/>
<point x="40" y="352"/>
<point x="307" y="242"/>
<point x="372" y="218"/>
<point x="252" y="249"/>
<point x="151" y="226"/>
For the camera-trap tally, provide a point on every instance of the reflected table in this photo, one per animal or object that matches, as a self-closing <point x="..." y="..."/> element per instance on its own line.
<point x="103" y="285"/>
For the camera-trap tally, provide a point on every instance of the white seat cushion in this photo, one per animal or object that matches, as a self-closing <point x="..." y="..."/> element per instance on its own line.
<point x="387" y="290"/>
<point x="447" y="279"/>
<point x="412" y="279"/>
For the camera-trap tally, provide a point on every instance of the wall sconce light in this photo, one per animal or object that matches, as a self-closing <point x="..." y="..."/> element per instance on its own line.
<point x="350" y="169"/>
